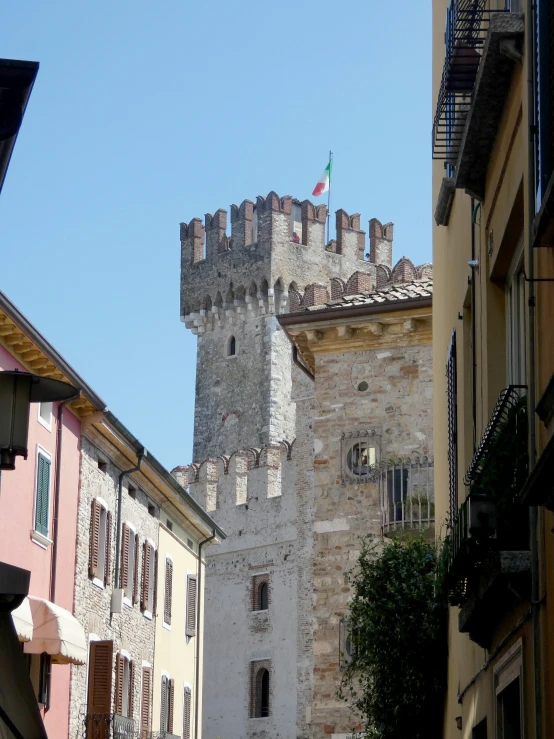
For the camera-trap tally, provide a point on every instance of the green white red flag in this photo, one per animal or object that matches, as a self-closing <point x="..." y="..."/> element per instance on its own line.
<point x="324" y="181"/>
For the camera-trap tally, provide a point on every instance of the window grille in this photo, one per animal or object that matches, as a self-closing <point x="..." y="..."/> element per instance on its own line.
<point x="360" y="456"/>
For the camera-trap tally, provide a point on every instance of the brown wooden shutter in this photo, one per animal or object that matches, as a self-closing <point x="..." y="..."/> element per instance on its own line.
<point x="132" y="671"/>
<point x="144" y="581"/>
<point x="125" y="541"/>
<point x="186" y="713"/>
<point x="163" y="706"/>
<point x="96" y="511"/>
<point x="155" y="604"/>
<point x="168" y="590"/>
<point x="191" y="605"/>
<point x="119" y="669"/>
<point x="108" y="560"/>
<point x="170" y="707"/>
<point x="99" y="698"/>
<point x="146" y="699"/>
<point x="136" y="573"/>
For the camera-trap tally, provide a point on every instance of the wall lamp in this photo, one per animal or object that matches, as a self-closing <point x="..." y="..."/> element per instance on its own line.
<point x="17" y="391"/>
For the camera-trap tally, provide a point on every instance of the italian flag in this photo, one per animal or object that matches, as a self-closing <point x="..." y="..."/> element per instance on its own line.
<point x="324" y="181"/>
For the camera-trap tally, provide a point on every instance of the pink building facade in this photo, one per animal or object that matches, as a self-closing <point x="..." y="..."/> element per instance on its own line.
<point x="38" y="521"/>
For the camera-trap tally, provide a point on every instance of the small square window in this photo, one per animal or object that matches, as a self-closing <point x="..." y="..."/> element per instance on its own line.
<point x="152" y="509"/>
<point x="169" y="524"/>
<point x="132" y="492"/>
<point x="102" y="465"/>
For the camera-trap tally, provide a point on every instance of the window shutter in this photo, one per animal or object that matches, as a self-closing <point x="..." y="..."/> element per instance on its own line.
<point x="42" y="495"/>
<point x="186" y="713"/>
<point x="119" y="666"/>
<point x="191" y="605"/>
<point x="136" y="573"/>
<point x="125" y="541"/>
<point x="168" y="590"/>
<point x="95" y="513"/>
<point x="108" y="557"/>
<point x="451" y="389"/>
<point x="146" y="699"/>
<point x="145" y="579"/>
<point x="170" y="706"/>
<point x="155" y="603"/>
<point x="100" y="677"/>
<point x="163" y="706"/>
<point x="132" y="670"/>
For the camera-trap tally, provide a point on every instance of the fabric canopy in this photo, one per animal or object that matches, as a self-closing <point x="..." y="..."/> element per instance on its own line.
<point x="23" y="621"/>
<point x="56" y="632"/>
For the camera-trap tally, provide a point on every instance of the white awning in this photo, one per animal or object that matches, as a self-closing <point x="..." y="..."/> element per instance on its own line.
<point x="56" y="632"/>
<point x="23" y="621"/>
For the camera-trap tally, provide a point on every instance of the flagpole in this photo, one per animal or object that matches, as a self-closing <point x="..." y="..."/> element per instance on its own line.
<point x="329" y="195"/>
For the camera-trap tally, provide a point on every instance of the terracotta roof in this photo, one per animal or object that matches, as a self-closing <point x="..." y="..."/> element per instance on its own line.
<point x="390" y="294"/>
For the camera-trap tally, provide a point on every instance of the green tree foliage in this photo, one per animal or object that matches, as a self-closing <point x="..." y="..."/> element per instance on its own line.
<point x="397" y="676"/>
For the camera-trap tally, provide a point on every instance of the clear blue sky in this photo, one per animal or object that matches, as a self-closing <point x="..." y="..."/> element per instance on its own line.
<point x="147" y="114"/>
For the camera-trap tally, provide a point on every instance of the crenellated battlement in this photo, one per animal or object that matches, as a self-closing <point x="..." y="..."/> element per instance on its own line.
<point x="246" y="475"/>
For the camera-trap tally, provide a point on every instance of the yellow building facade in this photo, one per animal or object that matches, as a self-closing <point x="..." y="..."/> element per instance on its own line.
<point x="177" y="675"/>
<point x="492" y="353"/>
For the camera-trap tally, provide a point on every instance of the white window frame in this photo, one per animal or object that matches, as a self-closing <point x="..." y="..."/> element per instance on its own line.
<point x="43" y="421"/>
<point x="506" y="670"/>
<point x="36" y="537"/>
<point x="99" y="581"/>
<point x="126" y="681"/>
<point x="131" y="574"/>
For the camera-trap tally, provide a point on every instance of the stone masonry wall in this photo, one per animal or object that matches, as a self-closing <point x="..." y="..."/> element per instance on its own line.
<point x="129" y="630"/>
<point x="397" y="404"/>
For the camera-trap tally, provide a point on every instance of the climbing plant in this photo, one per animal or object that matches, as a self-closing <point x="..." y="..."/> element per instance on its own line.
<point x="396" y="677"/>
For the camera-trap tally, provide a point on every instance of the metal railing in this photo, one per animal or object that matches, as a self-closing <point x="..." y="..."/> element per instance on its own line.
<point x="491" y="517"/>
<point x="467" y="23"/>
<point x="114" y="726"/>
<point x="407" y="494"/>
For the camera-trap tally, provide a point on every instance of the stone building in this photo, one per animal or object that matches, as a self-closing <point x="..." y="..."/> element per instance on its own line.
<point x="275" y="589"/>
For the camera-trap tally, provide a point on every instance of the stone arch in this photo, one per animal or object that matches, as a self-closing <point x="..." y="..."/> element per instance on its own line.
<point x="206" y="303"/>
<point x="404" y="270"/>
<point x="230" y="296"/>
<point x="424" y="271"/>
<point x="295" y="300"/>
<point x="383" y="274"/>
<point x="218" y="300"/>
<point x="278" y="291"/>
<point x="264" y="290"/>
<point x="337" y="288"/>
<point x="253" y="290"/>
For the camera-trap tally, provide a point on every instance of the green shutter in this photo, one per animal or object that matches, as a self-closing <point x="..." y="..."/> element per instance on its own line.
<point x="43" y="495"/>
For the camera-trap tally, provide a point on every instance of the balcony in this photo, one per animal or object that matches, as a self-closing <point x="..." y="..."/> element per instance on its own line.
<point x="407" y="495"/>
<point x="483" y="43"/>
<point x="489" y="558"/>
<point x="113" y="726"/>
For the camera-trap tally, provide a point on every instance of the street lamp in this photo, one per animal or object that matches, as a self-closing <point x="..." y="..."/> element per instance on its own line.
<point x="17" y="391"/>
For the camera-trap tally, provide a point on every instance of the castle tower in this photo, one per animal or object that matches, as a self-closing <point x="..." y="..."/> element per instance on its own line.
<point x="233" y="287"/>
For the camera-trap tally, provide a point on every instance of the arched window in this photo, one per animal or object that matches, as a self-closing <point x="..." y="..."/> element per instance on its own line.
<point x="263" y="597"/>
<point x="232" y="347"/>
<point x="262" y="693"/>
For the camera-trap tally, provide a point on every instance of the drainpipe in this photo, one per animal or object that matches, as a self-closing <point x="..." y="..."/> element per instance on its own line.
<point x="140" y="454"/>
<point x="474" y="210"/>
<point x="533" y="511"/>
<point x="198" y="609"/>
<point x="56" y="506"/>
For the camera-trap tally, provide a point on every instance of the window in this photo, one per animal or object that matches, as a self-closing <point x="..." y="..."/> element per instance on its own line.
<point x="42" y="493"/>
<point x="515" y="312"/>
<point x="231" y="347"/>
<point x="167" y="704"/>
<point x="260" y="689"/>
<point x="451" y="390"/>
<point x="346" y="645"/>
<point x="100" y="542"/>
<point x="169" y="524"/>
<point x="130" y="564"/>
<point x="480" y="731"/>
<point x="102" y="465"/>
<point x="259" y="593"/>
<point x="152" y="509"/>
<point x="168" y="590"/>
<point x="296" y="224"/>
<point x="187" y="701"/>
<point x="145" y="699"/>
<point x="148" y="582"/>
<point x="508" y="687"/>
<point x="255" y="225"/>
<point x="43" y="695"/>
<point x="397" y="489"/>
<point x="360" y="457"/>
<point x="124" y="685"/>
<point x="99" y="692"/>
<point x="45" y="415"/>
<point x="191" y="605"/>
<point x="132" y="492"/>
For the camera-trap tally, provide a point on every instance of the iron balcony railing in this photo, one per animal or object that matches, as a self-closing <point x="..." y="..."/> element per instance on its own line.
<point x="407" y="494"/>
<point x="492" y="517"/>
<point x="110" y="726"/>
<point x="467" y="23"/>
